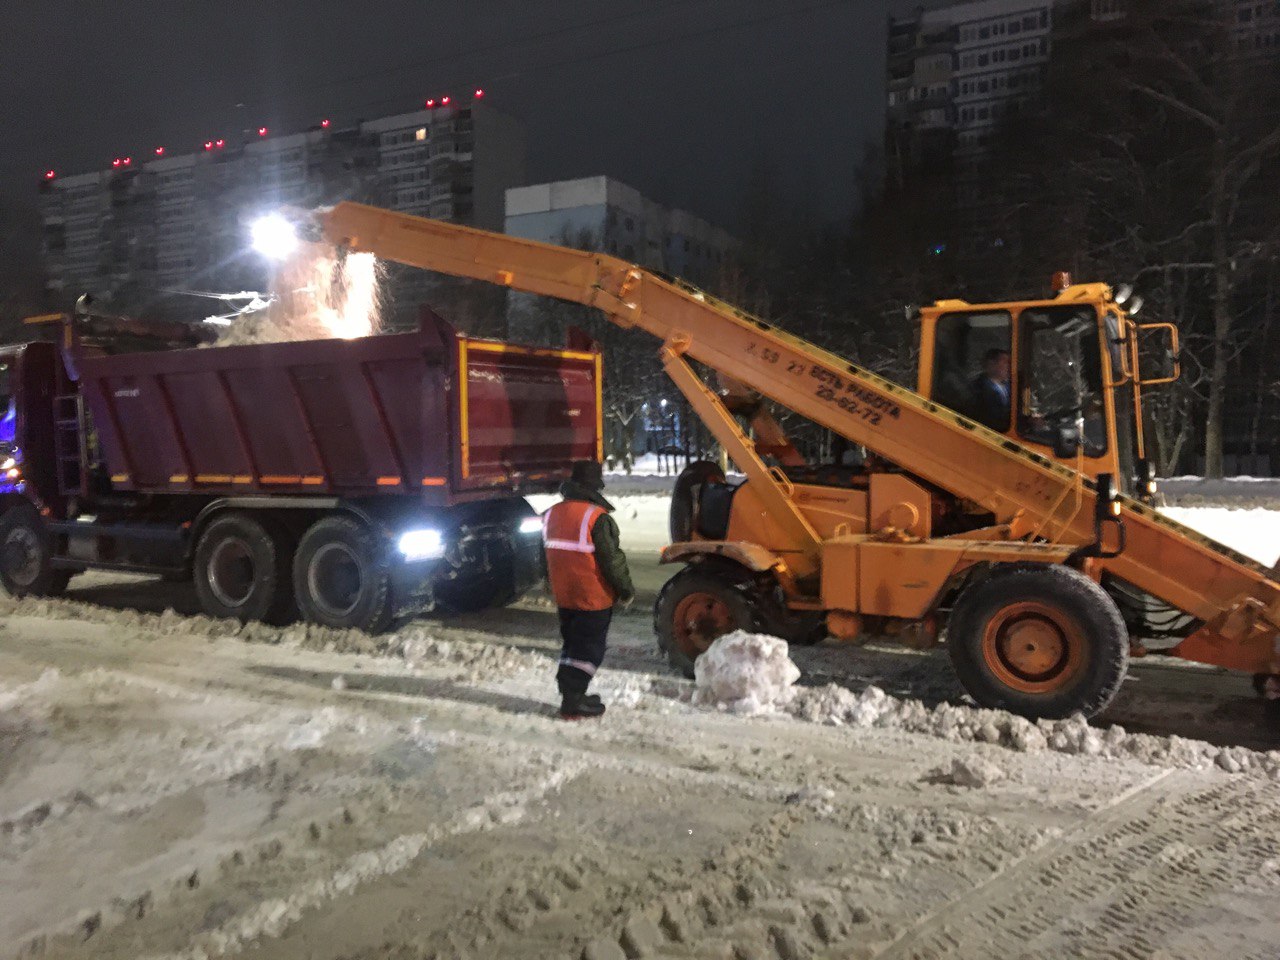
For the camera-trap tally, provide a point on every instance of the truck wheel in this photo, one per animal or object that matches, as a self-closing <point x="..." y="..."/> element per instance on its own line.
<point x="1040" y="642"/>
<point x="515" y="567"/>
<point x="697" y="606"/>
<point x="341" y="577"/>
<point x="241" y="571"/>
<point x="26" y="556"/>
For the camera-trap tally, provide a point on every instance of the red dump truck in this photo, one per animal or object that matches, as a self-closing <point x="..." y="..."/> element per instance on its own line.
<point x="345" y="481"/>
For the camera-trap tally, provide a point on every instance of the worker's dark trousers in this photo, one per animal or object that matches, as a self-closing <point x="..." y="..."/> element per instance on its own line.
<point x="585" y="634"/>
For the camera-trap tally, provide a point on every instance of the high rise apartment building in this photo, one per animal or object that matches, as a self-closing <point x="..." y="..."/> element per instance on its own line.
<point x="149" y="227"/>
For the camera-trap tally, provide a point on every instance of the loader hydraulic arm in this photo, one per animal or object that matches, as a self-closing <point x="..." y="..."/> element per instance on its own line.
<point x="1235" y="598"/>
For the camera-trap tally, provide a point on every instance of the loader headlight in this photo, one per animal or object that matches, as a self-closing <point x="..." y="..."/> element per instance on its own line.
<point x="273" y="236"/>
<point x="531" y="526"/>
<point x="8" y="463"/>
<point x="416" y="545"/>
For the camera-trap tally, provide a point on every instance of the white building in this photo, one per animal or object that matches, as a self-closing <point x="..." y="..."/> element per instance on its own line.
<point x="605" y="215"/>
<point x="611" y="217"/>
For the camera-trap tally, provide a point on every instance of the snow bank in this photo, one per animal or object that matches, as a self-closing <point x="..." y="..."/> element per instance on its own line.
<point x="745" y="673"/>
<point x="872" y="707"/>
<point x="1255" y="533"/>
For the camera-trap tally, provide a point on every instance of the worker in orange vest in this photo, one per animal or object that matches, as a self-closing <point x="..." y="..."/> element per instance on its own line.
<point x="588" y="574"/>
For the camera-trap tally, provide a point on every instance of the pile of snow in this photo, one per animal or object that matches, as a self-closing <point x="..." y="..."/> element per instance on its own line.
<point x="838" y="706"/>
<point x="745" y="673"/>
<point x="972" y="772"/>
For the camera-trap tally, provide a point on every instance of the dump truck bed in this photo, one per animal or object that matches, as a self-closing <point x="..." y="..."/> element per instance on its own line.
<point x="429" y="413"/>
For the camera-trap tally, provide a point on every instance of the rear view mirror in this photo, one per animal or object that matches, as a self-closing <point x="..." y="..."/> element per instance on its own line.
<point x="1160" y="348"/>
<point x="1066" y="443"/>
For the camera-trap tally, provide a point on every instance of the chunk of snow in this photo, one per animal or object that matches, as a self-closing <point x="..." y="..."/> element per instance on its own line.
<point x="745" y="673"/>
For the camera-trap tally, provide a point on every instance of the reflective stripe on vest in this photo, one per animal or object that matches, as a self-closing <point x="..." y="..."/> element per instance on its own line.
<point x="583" y="544"/>
<point x="575" y="578"/>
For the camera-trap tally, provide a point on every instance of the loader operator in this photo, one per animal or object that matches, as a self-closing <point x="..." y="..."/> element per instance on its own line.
<point x="588" y="574"/>
<point x="991" y="391"/>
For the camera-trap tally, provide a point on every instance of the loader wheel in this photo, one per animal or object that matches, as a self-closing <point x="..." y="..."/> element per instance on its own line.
<point x="241" y="571"/>
<point x="342" y="577"/>
<point x="1040" y="642"/>
<point x="696" y="607"/>
<point x="685" y="496"/>
<point x="26" y="556"/>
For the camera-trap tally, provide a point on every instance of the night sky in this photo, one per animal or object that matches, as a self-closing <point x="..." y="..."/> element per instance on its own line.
<point x="685" y="99"/>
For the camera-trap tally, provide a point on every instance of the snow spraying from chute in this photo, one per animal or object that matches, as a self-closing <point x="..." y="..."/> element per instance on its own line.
<point x="316" y="293"/>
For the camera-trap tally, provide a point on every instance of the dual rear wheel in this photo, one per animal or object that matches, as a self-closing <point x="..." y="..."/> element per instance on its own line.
<point x="335" y="575"/>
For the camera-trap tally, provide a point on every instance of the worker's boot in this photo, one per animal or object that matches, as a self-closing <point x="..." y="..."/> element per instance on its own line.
<point x="581" y="706"/>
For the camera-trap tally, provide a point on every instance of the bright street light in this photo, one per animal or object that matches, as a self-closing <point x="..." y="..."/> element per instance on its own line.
<point x="273" y="236"/>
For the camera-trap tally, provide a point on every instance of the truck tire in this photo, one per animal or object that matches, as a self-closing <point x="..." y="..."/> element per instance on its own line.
<point x="241" y="571"/>
<point x="1039" y="641"/>
<point x="26" y="556"/>
<point x="341" y="577"/>
<point x="503" y="583"/>
<point x="699" y="604"/>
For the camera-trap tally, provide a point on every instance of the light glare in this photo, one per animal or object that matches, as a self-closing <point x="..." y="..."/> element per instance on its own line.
<point x="274" y="237"/>
<point x="417" y="545"/>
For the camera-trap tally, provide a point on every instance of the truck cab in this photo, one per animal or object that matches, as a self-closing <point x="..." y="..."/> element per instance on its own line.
<point x="1074" y="388"/>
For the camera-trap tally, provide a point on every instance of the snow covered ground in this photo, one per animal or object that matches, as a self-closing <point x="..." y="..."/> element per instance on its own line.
<point x="173" y="786"/>
<point x="1254" y="532"/>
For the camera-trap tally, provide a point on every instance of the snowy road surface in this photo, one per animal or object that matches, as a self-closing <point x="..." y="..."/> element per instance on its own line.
<point x="175" y="787"/>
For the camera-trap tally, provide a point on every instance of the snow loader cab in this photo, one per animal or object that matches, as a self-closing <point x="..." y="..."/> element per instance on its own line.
<point x="1075" y="389"/>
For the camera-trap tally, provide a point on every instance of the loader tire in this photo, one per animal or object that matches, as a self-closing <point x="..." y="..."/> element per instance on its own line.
<point x="241" y="572"/>
<point x="1039" y="641"/>
<point x="342" y="576"/>
<point x="698" y="605"/>
<point x="26" y="556"/>
<point x="685" y="496"/>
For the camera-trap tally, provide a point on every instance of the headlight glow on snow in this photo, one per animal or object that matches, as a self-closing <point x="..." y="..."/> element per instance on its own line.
<point x="531" y="526"/>
<point x="273" y="236"/>
<point x="417" y="545"/>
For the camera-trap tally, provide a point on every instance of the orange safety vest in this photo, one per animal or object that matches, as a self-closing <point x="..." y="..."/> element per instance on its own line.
<point x="575" y="577"/>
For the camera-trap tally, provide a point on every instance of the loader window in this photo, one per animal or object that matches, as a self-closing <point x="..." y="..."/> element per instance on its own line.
<point x="962" y="342"/>
<point x="1060" y="377"/>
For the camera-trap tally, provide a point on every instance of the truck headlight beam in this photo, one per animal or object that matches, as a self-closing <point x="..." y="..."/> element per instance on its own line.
<point x="418" y="545"/>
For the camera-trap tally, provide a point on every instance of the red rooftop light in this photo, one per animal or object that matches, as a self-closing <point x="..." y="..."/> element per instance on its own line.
<point x="444" y="101"/>
<point x="208" y="144"/>
<point x="431" y="103"/>
<point x="324" y="123"/>
<point x="479" y="93"/>
<point x="262" y="131"/>
<point x="219" y="144"/>
<point x="159" y="151"/>
<point x="128" y="160"/>
<point x="116" y="162"/>
<point x="49" y="174"/>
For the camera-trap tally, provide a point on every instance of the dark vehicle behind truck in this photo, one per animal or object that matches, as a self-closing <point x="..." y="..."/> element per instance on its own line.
<point x="346" y="481"/>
